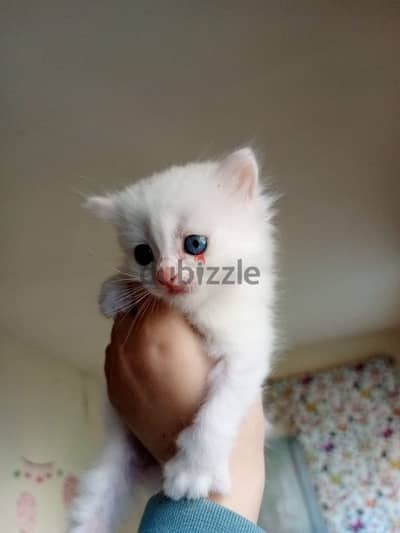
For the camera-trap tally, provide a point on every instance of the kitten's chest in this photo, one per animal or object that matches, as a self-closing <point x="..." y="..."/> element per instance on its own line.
<point x="222" y="323"/>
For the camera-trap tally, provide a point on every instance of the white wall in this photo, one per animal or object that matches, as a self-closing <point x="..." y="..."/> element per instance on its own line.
<point x="92" y="101"/>
<point x="335" y="352"/>
<point x="50" y="411"/>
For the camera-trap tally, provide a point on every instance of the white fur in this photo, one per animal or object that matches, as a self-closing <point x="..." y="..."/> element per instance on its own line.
<point x="105" y="491"/>
<point x="224" y="201"/>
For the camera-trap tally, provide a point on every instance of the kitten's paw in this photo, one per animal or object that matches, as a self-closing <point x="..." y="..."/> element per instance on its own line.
<point x="184" y="479"/>
<point x="113" y="297"/>
<point x="221" y="482"/>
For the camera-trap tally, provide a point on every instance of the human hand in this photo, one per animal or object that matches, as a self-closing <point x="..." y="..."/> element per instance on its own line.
<point x="156" y="370"/>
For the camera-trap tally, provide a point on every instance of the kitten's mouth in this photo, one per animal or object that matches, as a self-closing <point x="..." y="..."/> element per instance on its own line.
<point x="176" y="289"/>
<point x="173" y="286"/>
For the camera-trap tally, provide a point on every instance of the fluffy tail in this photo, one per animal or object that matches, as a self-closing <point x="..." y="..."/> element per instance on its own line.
<point x="106" y="490"/>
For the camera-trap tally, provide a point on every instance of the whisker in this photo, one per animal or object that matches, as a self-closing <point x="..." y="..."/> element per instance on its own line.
<point x="128" y="302"/>
<point x="144" y="308"/>
<point x="121" y="272"/>
<point x="123" y="317"/>
<point x="140" y="313"/>
<point x="126" y="296"/>
<point x="124" y="280"/>
<point x="130" y="291"/>
<point x="154" y="305"/>
<point x="132" y="294"/>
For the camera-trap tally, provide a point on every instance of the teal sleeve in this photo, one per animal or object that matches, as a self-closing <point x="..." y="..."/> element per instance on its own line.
<point x="163" y="515"/>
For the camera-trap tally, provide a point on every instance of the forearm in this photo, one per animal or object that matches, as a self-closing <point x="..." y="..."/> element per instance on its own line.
<point x="247" y="467"/>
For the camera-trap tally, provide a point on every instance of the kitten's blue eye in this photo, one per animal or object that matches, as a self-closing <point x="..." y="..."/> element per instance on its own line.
<point x="195" y="244"/>
<point x="143" y="254"/>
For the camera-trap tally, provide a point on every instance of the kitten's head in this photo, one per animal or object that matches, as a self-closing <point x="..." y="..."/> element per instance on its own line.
<point x="179" y="225"/>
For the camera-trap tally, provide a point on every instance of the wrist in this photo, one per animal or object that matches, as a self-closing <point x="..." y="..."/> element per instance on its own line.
<point x="247" y="467"/>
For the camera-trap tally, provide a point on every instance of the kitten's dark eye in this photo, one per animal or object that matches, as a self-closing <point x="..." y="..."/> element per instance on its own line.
<point x="195" y="244"/>
<point x="143" y="254"/>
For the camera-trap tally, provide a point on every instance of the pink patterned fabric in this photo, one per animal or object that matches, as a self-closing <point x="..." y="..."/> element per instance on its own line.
<point x="348" y="421"/>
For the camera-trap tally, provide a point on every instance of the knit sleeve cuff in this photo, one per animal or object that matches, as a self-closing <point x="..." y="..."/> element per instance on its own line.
<point x="164" y="515"/>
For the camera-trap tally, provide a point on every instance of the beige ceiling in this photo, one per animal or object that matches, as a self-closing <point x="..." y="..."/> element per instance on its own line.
<point x="97" y="94"/>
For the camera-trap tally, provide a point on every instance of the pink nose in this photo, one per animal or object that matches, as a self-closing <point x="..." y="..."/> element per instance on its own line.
<point x="167" y="276"/>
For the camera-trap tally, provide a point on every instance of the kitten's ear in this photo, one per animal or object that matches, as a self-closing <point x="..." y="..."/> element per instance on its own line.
<point x="102" y="206"/>
<point x="239" y="172"/>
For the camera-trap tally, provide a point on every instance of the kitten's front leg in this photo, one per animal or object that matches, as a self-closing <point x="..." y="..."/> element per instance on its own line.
<point x="201" y="463"/>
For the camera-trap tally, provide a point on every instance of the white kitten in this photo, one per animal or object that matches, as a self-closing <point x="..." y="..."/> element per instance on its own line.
<point x="217" y="214"/>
